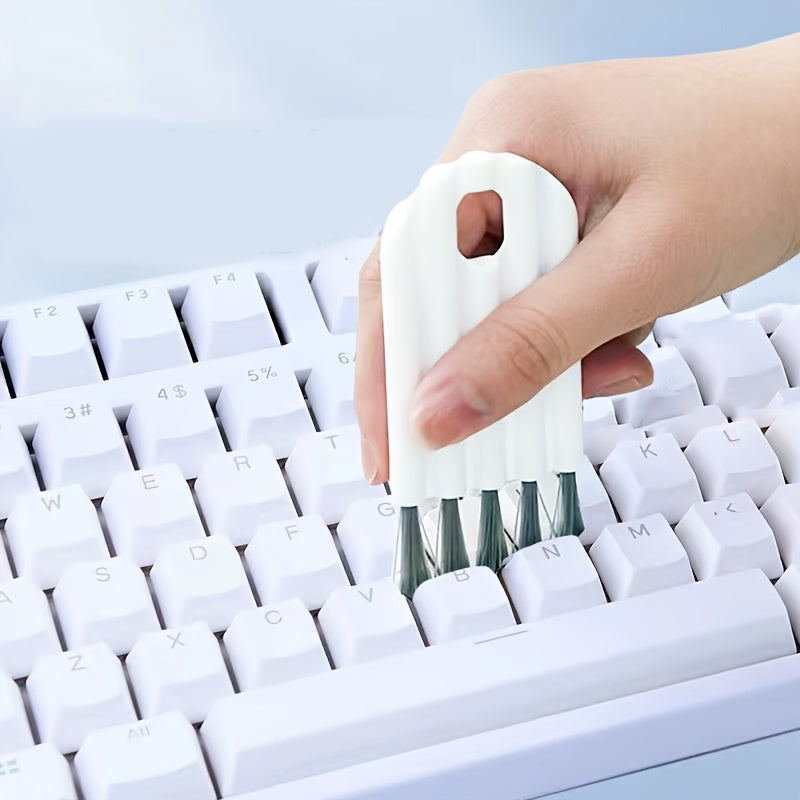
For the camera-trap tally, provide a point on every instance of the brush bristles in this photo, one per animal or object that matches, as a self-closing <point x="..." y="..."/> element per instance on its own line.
<point x="568" y="518"/>
<point x="492" y="549"/>
<point x="528" y="528"/>
<point x="413" y="558"/>
<point x="452" y="550"/>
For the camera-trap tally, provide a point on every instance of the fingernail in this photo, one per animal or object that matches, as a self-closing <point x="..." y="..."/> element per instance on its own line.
<point x="629" y="384"/>
<point x="369" y="460"/>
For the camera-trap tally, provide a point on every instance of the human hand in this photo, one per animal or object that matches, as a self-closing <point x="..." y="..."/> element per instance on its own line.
<point x="686" y="176"/>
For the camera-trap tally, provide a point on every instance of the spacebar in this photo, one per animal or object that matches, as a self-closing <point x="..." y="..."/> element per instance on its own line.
<point x="333" y="720"/>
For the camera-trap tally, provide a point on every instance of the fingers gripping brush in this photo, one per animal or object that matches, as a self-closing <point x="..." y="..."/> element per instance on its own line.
<point x="432" y="295"/>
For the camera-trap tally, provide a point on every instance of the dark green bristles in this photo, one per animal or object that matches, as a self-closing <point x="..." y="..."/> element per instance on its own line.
<point x="413" y="558"/>
<point x="528" y="529"/>
<point x="568" y="520"/>
<point x="452" y="550"/>
<point x="492" y="549"/>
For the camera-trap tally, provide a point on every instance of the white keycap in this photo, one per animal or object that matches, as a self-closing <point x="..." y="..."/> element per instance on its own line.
<point x="104" y="601"/>
<point x="462" y="603"/>
<point x="148" y="509"/>
<point x="264" y="405"/>
<point x="26" y="627"/>
<point x="295" y="558"/>
<point x="137" y="330"/>
<point x="16" y="470"/>
<point x="782" y="513"/>
<point x="650" y="477"/>
<point x="276" y="643"/>
<point x="80" y="443"/>
<point x="599" y="442"/>
<point x="225" y="313"/>
<point x="202" y="579"/>
<point x="14" y="730"/>
<point x="734" y="458"/>
<point x="639" y="556"/>
<point x="47" y="347"/>
<point x="178" y="669"/>
<point x="373" y="620"/>
<point x="783" y="437"/>
<point x="686" y="426"/>
<point x="552" y="577"/>
<point x="49" y="531"/>
<point x="325" y="473"/>
<point x="335" y="284"/>
<point x="598" y="412"/>
<point x="779" y="285"/>
<point x="158" y="758"/>
<point x="683" y="324"/>
<point x="174" y="423"/>
<point x="596" y="508"/>
<point x="36" y="773"/>
<point x="734" y="363"/>
<point x="367" y="534"/>
<point x="728" y="535"/>
<point x="74" y="692"/>
<point x="788" y="587"/>
<point x="329" y="387"/>
<point x="786" y="341"/>
<point x="673" y="391"/>
<point x="241" y="490"/>
<point x="281" y="733"/>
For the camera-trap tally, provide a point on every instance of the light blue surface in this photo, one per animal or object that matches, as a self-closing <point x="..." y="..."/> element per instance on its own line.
<point x="146" y="137"/>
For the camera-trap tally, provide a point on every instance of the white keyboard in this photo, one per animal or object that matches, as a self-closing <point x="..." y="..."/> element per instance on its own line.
<point x="195" y="591"/>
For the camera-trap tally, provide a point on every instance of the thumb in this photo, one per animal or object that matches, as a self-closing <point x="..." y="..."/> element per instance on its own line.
<point x="606" y="287"/>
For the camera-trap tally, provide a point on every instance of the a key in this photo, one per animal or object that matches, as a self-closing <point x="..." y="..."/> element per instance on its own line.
<point x="783" y="437"/>
<point x="329" y="387"/>
<point x="27" y="631"/>
<point x="596" y="508"/>
<point x="104" y="601"/>
<point x="686" y="426"/>
<point x="36" y="773"/>
<point x="80" y="443"/>
<point x="173" y="423"/>
<point x="148" y="509"/>
<point x="14" y="730"/>
<point x="673" y="391"/>
<point x="74" y="692"/>
<point x="241" y="490"/>
<point x="782" y="513"/>
<point x="788" y="586"/>
<point x="368" y="534"/>
<point x="225" y="313"/>
<point x="373" y="620"/>
<point x="295" y="558"/>
<point x="600" y="441"/>
<point x="650" y="477"/>
<point x="325" y="473"/>
<point x="552" y="577"/>
<point x="49" y="531"/>
<point x="276" y="643"/>
<point x="137" y="330"/>
<point x="786" y="341"/>
<point x="728" y="535"/>
<point x="158" y="758"/>
<point x="47" y="347"/>
<point x="639" y="556"/>
<point x="16" y="470"/>
<point x="202" y="579"/>
<point x="275" y="734"/>
<point x="685" y="323"/>
<point x="264" y="405"/>
<point x="178" y="669"/>
<point x="734" y="458"/>
<point x="462" y="603"/>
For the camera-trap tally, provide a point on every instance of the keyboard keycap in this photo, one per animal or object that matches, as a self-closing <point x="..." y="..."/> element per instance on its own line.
<point x="650" y="477"/>
<point x="329" y="387"/>
<point x="783" y="437"/>
<point x="275" y="734"/>
<point x="39" y="772"/>
<point x="639" y="556"/>
<point x="685" y="323"/>
<point x="728" y="535"/>
<point x="686" y="426"/>
<point x="782" y="512"/>
<point x="47" y="347"/>
<point x="73" y="693"/>
<point x="552" y="577"/>
<point x="786" y="341"/>
<point x="367" y="534"/>
<point x="596" y="508"/>
<point x="734" y="458"/>
<point x="276" y="643"/>
<point x="104" y="601"/>
<point x="16" y="469"/>
<point x="158" y="758"/>
<point x="137" y="330"/>
<point x="202" y="579"/>
<point x="14" y="730"/>
<point x="178" y="669"/>
<point x="599" y="442"/>
<point x="360" y="623"/>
